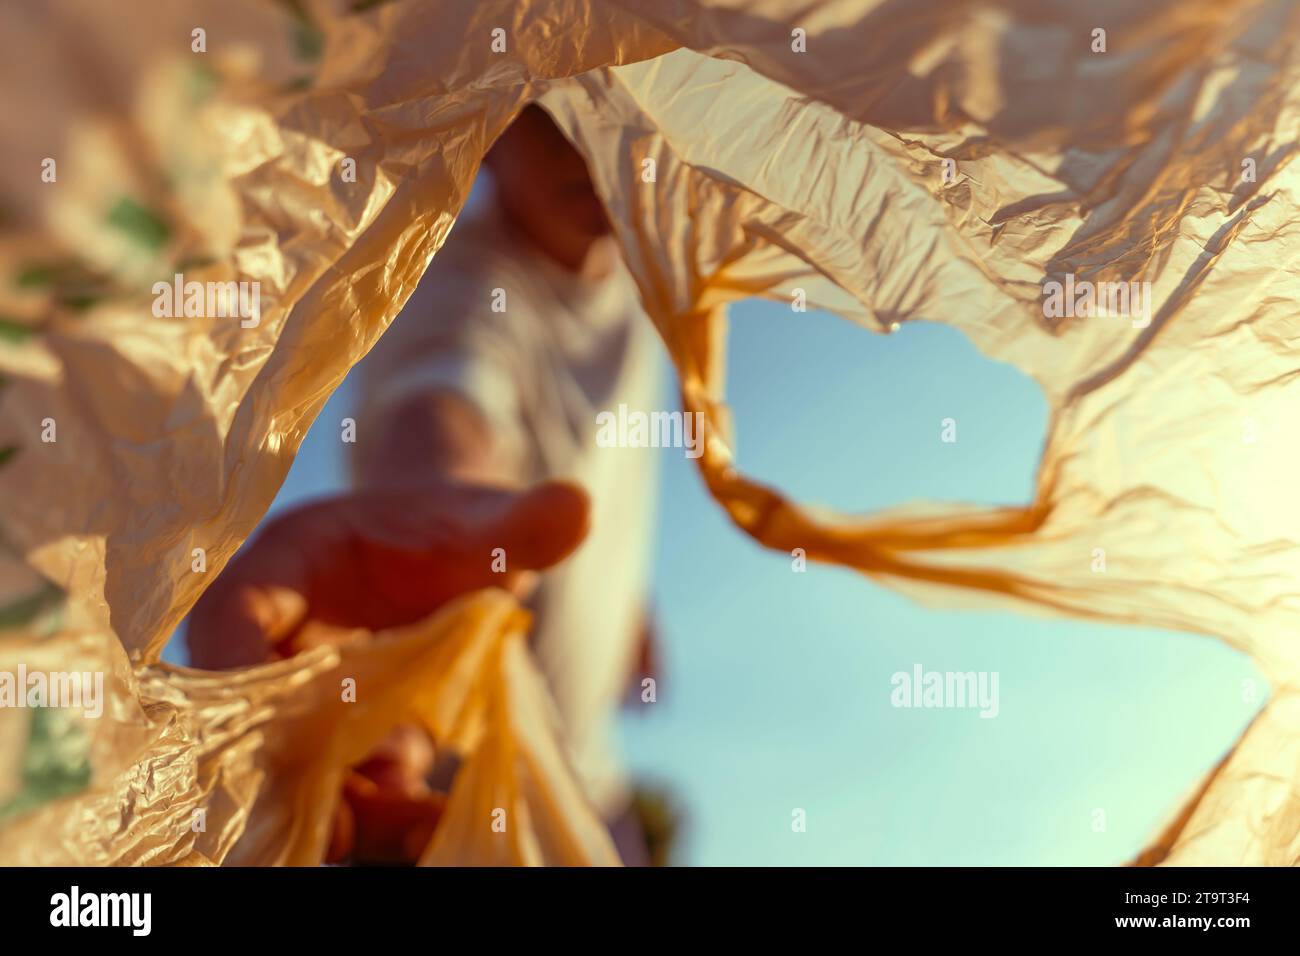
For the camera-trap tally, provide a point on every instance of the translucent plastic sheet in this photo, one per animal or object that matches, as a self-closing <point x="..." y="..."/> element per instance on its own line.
<point x="891" y="161"/>
<point x="247" y="767"/>
<point x="173" y="434"/>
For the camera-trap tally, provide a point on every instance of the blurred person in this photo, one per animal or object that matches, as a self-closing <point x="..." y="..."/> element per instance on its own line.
<point x="524" y="327"/>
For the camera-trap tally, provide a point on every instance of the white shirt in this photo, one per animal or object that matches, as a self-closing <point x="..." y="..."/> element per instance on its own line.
<point x="563" y="350"/>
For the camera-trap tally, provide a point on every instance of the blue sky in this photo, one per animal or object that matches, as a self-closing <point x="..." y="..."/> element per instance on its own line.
<point x="775" y="691"/>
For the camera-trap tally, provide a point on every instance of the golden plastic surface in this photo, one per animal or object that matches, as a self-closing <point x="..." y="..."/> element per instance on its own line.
<point x="921" y="161"/>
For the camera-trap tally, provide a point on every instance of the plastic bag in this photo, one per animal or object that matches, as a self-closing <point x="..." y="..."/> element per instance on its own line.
<point x="979" y="164"/>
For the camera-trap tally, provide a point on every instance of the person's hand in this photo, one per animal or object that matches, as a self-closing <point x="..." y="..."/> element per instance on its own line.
<point x="388" y="812"/>
<point x="373" y="560"/>
<point x="378" y="559"/>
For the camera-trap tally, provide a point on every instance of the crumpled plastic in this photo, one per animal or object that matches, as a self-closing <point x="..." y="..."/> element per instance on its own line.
<point x="173" y="435"/>
<point x="891" y="162"/>
<point x="245" y="768"/>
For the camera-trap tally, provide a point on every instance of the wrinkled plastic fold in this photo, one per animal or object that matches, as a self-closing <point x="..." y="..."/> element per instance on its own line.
<point x="247" y="768"/>
<point x="893" y="162"/>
